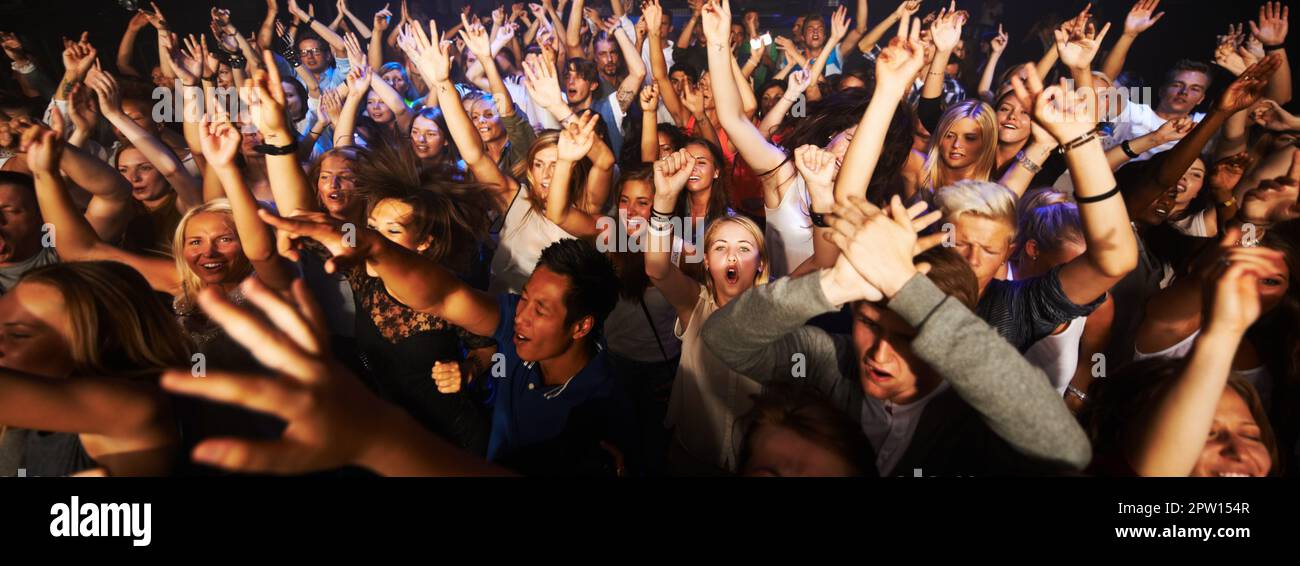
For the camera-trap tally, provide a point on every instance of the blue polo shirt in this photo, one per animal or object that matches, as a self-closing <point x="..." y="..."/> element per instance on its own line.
<point x="526" y="411"/>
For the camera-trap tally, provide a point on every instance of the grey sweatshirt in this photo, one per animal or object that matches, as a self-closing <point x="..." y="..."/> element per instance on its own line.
<point x="760" y="333"/>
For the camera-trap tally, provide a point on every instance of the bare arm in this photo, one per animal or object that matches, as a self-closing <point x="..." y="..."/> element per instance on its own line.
<point x="679" y="289"/>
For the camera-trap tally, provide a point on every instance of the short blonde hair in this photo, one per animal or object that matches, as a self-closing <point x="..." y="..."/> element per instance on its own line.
<point x="983" y="199"/>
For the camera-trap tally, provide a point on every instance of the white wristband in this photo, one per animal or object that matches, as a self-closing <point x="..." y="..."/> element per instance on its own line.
<point x="27" y="69"/>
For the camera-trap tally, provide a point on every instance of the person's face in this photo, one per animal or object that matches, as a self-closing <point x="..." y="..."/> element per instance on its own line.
<point x="392" y="218"/>
<point x="313" y="55"/>
<point x="35" y="331"/>
<point x="961" y="145"/>
<point x="484" y="116"/>
<point x="666" y="26"/>
<point x="225" y="76"/>
<point x="540" y="331"/>
<point x="1184" y="93"/>
<point x="737" y="33"/>
<point x="706" y="91"/>
<point x="252" y="138"/>
<point x="732" y="260"/>
<point x="577" y="88"/>
<point x="1013" y="121"/>
<point x="678" y="80"/>
<point x="212" y="250"/>
<point x="1188" y="187"/>
<point x="608" y="58"/>
<point x="634" y="203"/>
<point x="378" y="111"/>
<point x="505" y="66"/>
<point x="882" y="342"/>
<point x="1235" y="447"/>
<point x="705" y="170"/>
<point x="147" y="183"/>
<point x="839" y="145"/>
<point x="20" y="224"/>
<point x="334" y="186"/>
<point x="1105" y="92"/>
<point x="777" y="451"/>
<point x="543" y="168"/>
<point x="770" y="97"/>
<point x="984" y="243"/>
<point x="796" y="30"/>
<point x="427" y="138"/>
<point x="665" y="145"/>
<point x="1267" y="201"/>
<point x="293" y="105"/>
<point x="395" y="79"/>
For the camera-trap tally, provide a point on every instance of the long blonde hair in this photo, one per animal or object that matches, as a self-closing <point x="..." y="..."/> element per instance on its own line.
<point x="755" y="231"/>
<point x="190" y="283"/>
<point x="935" y="174"/>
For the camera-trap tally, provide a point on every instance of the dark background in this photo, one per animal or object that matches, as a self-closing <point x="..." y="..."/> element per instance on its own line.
<point x="1187" y="30"/>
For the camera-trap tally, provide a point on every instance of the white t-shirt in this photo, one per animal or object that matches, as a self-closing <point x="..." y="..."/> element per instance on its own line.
<point x="524" y="235"/>
<point x="890" y="427"/>
<point x="1138" y="120"/>
<point x="789" y="230"/>
<point x="1058" y="355"/>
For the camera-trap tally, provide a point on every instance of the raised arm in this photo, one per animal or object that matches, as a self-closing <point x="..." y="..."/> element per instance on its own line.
<point x="110" y="207"/>
<point x="945" y="32"/>
<point x="573" y="32"/>
<point x="288" y="183"/>
<point x="220" y="144"/>
<point x="795" y="87"/>
<point x="905" y="9"/>
<point x="856" y="34"/>
<point x="576" y="140"/>
<point x="1274" y="22"/>
<point x="631" y="84"/>
<point x="688" y="30"/>
<point x="189" y="192"/>
<point x="1175" y="436"/>
<point x="754" y="148"/>
<point x="74" y="237"/>
<point x="895" y="67"/>
<point x="996" y="46"/>
<point x="375" y="49"/>
<point x="435" y="64"/>
<point x="127" y="48"/>
<point x="357" y="22"/>
<point x="266" y="33"/>
<point x="649" y="123"/>
<point x="335" y="40"/>
<point x="653" y="15"/>
<point x="1140" y="18"/>
<point x="679" y="289"/>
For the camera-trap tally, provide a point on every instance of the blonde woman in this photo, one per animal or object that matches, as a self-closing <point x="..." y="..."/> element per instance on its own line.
<point x="707" y="395"/>
<point x="964" y="147"/>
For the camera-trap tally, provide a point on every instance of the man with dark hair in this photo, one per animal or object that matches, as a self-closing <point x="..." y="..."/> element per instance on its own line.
<point x="554" y="397"/>
<point x="934" y="388"/>
<point x="1184" y="88"/>
<point x="20" y="230"/>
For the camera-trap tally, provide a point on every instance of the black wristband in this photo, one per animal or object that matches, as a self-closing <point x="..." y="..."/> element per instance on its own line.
<point x="1128" y="150"/>
<point x="819" y="219"/>
<point x="266" y="149"/>
<point x="1090" y="200"/>
<point x="1272" y="48"/>
<point x="663" y="214"/>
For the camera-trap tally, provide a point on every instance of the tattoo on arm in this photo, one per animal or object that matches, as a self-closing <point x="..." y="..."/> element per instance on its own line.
<point x="625" y="97"/>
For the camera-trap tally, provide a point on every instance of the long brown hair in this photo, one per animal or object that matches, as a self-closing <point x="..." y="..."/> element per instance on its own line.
<point x="119" y="326"/>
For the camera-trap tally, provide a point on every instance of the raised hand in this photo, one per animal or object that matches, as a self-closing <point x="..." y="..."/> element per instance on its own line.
<point x="1141" y="17"/>
<point x="692" y="99"/>
<point x="476" y="39"/>
<point x="138" y="21"/>
<point x="156" y="18"/>
<point x="899" y="62"/>
<point x="78" y="57"/>
<point x="907" y="9"/>
<point x="359" y="82"/>
<point x="1228" y="56"/>
<point x="219" y="140"/>
<point x="356" y="55"/>
<point x="542" y="83"/>
<point x="43" y="147"/>
<point x="577" y="138"/>
<point x="331" y="107"/>
<point x="839" y="24"/>
<point x="818" y="168"/>
<point x="382" y="19"/>
<point x="946" y="29"/>
<point x="505" y="34"/>
<point x="1077" y="51"/>
<point x="1174" y="130"/>
<point x="715" y="22"/>
<point x="1248" y="87"/>
<point x="879" y="245"/>
<point x="436" y="55"/>
<point x="1067" y="114"/>
<point x="222" y="19"/>
<point x="1268" y="114"/>
<point x="671" y="174"/>
<point x="189" y="60"/>
<point x="1232" y="302"/>
<point x="105" y="87"/>
<point x="264" y="96"/>
<point x="1224" y="175"/>
<point x="999" y="42"/>
<point x="798" y="83"/>
<point x="649" y="98"/>
<point x="1273" y="24"/>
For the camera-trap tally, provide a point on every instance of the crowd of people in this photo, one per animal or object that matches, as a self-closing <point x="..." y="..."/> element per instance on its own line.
<point x="583" y="238"/>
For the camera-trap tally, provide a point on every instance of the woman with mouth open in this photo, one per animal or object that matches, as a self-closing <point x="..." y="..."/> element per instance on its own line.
<point x="707" y="395"/>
